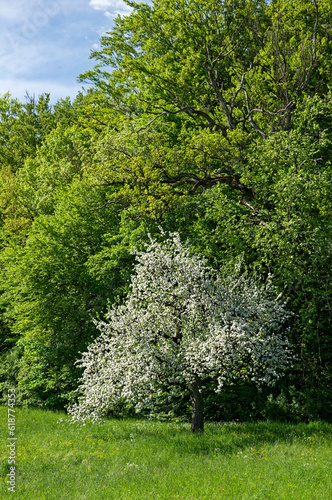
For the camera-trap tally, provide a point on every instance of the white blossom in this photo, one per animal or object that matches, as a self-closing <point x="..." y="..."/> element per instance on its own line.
<point x="181" y="320"/>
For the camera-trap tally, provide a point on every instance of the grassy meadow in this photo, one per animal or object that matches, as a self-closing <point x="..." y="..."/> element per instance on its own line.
<point x="139" y="459"/>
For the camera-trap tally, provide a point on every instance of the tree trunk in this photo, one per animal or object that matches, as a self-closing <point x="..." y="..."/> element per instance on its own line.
<point x="197" y="416"/>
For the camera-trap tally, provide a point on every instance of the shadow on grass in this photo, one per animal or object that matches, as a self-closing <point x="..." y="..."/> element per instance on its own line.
<point x="225" y="438"/>
<point x="177" y="438"/>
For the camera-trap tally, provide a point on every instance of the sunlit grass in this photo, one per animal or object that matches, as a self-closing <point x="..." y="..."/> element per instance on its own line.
<point x="137" y="459"/>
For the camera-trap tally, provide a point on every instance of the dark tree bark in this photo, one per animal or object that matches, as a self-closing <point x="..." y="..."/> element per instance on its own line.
<point x="197" y="417"/>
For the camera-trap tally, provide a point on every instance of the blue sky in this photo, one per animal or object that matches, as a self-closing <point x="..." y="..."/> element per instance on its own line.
<point x="45" y="44"/>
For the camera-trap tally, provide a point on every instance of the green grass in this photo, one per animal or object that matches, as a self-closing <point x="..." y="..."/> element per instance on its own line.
<point x="137" y="459"/>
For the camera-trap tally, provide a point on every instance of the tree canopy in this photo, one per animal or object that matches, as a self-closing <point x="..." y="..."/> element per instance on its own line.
<point x="180" y="324"/>
<point x="212" y="119"/>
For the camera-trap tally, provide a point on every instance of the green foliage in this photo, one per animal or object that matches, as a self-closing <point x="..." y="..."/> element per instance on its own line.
<point x="51" y="292"/>
<point x="224" y="64"/>
<point x="31" y="135"/>
<point x="57" y="162"/>
<point x="212" y="119"/>
<point x="9" y="370"/>
<point x="22" y="128"/>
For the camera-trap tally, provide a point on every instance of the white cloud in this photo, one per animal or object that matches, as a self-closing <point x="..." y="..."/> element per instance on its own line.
<point x="37" y="12"/>
<point x="111" y="7"/>
<point x="41" y="65"/>
<point x="9" y="12"/>
<point x="45" y="44"/>
<point x="100" y="4"/>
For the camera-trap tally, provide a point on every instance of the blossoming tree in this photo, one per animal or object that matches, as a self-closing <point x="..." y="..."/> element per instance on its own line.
<point x="180" y="323"/>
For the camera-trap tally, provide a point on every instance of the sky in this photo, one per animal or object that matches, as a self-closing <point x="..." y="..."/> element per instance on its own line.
<point x="46" y="44"/>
